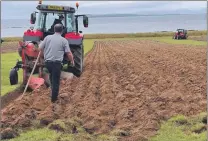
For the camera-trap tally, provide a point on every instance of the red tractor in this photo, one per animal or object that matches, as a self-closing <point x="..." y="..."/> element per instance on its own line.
<point x="180" y="34"/>
<point x="43" y="27"/>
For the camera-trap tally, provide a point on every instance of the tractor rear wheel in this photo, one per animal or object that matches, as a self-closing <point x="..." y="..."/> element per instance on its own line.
<point x="177" y="37"/>
<point x="78" y="53"/>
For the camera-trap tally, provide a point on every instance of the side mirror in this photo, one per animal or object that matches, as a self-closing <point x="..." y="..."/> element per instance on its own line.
<point x="33" y="18"/>
<point x="85" y="21"/>
<point x="80" y="31"/>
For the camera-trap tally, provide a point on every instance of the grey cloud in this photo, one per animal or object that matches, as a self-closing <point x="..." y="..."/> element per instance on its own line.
<point x="22" y="9"/>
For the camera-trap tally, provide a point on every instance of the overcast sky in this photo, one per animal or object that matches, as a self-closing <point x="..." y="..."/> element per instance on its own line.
<point x="22" y="9"/>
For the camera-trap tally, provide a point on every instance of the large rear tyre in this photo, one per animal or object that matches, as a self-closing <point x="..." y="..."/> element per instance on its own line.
<point x="177" y="37"/>
<point x="78" y="53"/>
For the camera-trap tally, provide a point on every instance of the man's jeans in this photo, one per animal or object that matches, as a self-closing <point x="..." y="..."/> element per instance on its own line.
<point x="54" y="69"/>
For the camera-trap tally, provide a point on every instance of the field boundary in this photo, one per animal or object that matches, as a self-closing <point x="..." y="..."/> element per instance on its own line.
<point x="125" y="35"/>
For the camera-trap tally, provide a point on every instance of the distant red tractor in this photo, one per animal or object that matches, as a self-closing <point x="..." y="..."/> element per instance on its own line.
<point x="180" y="34"/>
<point x="43" y="27"/>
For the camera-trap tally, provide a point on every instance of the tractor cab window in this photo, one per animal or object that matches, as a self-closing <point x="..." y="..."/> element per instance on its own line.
<point x="180" y="30"/>
<point x="40" y="22"/>
<point x="52" y="19"/>
<point x="46" y="21"/>
<point x="70" y="22"/>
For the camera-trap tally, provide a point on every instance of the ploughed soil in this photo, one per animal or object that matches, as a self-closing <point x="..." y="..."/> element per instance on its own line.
<point x="198" y="38"/>
<point x="129" y="85"/>
<point x="9" y="47"/>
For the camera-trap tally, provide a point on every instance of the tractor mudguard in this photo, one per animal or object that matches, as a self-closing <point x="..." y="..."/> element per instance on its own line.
<point x="74" y="38"/>
<point x="75" y="41"/>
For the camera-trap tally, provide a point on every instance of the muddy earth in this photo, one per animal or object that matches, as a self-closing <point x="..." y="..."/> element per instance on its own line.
<point x="128" y="85"/>
<point x="9" y="47"/>
<point x="198" y="38"/>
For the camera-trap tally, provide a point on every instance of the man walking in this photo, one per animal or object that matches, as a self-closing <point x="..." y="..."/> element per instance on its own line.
<point x="53" y="48"/>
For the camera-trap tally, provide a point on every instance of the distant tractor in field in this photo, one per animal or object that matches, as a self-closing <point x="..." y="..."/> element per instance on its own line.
<point x="180" y="34"/>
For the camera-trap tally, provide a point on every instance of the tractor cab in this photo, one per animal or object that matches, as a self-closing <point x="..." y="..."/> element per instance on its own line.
<point x="181" y="31"/>
<point x="49" y="15"/>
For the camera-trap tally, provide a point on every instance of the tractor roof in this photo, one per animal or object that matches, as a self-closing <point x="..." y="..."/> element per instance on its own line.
<point x="180" y="29"/>
<point x="55" y="8"/>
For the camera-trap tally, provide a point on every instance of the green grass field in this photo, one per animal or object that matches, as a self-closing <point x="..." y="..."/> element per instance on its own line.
<point x="182" y="42"/>
<point x="181" y="128"/>
<point x="178" y="128"/>
<point x="169" y="131"/>
<point x="48" y="134"/>
<point x="8" y="61"/>
<point x="126" y="35"/>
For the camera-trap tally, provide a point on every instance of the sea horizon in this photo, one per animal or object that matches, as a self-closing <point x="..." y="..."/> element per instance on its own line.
<point x="123" y="24"/>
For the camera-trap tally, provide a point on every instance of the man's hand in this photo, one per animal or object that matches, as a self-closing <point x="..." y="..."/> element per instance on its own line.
<point x="71" y="58"/>
<point x="72" y="63"/>
<point x="41" y="52"/>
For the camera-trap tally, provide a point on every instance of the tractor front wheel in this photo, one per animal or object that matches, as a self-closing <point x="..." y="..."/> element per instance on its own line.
<point x="13" y="76"/>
